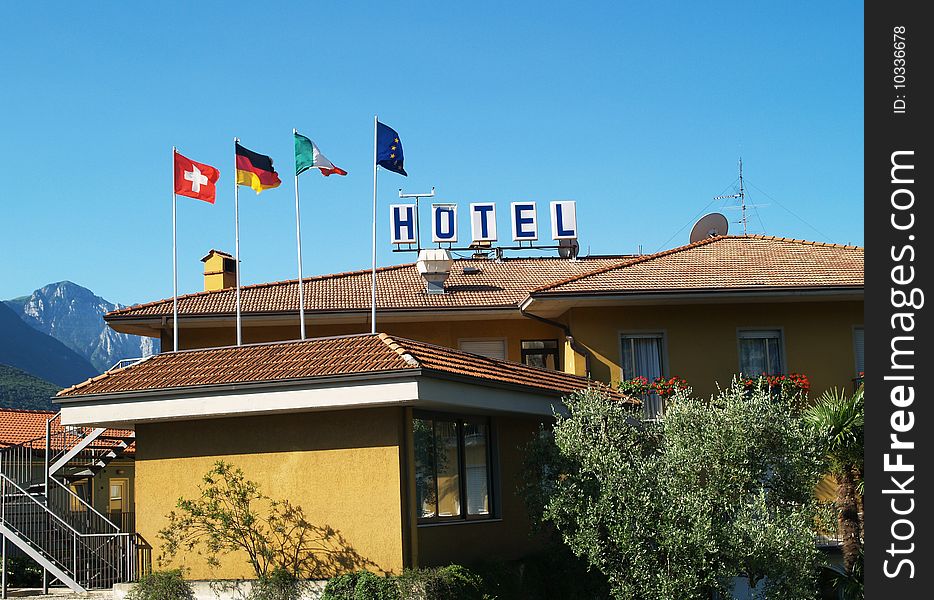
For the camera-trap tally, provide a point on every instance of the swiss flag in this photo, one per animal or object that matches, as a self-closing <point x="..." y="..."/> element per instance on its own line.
<point x="194" y="179"/>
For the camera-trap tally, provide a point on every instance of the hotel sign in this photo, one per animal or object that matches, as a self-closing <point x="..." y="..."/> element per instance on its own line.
<point x="523" y="218"/>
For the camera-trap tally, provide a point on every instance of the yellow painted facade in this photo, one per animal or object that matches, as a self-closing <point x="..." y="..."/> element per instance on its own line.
<point x="701" y="340"/>
<point x="343" y="468"/>
<point x="352" y="470"/>
<point x="701" y="343"/>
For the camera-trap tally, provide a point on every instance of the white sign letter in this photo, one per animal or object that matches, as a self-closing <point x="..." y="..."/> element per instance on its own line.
<point x="564" y="220"/>
<point x="444" y="223"/>
<point x="483" y="222"/>
<point x="524" y="222"/>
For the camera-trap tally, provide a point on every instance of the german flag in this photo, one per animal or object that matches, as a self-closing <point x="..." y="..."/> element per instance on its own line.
<point x="255" y="170"/>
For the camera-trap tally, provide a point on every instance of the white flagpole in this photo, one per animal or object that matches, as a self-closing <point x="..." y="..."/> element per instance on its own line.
<point x="237" y="238"/>
<point x="298" y="238"/>
<point x="174" y="260"/>
<point x="373" y="273"/>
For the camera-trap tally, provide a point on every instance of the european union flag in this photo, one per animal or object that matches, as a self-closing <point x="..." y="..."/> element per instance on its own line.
<point x="389" y="149"/>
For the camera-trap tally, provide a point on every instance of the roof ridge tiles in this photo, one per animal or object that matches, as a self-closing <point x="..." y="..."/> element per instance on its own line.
<point x="401" y="351"/>
<point x="255" y="286"/>
<point x="797" y="241"/>
<point x="691" y="246"/>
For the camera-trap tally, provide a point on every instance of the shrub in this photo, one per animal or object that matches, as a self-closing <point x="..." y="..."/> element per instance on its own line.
<point x="162" y="585"/>
<point x="22" y="571"/>
<point x="453" y="582"/>
<point x="279" y="585"/>
<point x="374" y="587"/>
<point x="341" y="587"/>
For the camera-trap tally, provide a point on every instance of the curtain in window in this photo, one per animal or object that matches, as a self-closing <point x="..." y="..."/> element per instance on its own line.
<point x="642" y="357"/>
<point x="760" y="352"/>
<point x="447" y="459"/>
<point x="475" y="458"/>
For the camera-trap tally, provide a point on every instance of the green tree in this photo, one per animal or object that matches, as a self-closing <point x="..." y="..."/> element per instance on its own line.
<point x="838" y="420"/>
<point x="678" y="508"/>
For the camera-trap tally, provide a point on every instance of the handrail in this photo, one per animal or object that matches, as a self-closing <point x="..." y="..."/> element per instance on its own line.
<point x="86" y="505"/>
<point x="127" y="362"/>
<point x="41" y="505"/>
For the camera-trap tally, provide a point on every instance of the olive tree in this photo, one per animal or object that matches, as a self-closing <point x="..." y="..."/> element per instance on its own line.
<point x="679" y="507"/>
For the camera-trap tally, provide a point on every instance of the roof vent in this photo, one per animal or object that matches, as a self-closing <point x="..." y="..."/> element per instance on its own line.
<point x="434" y="266"/>
<point x="471" y="270"/>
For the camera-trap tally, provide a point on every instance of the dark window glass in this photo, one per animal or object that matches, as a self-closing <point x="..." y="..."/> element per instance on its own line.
<point x="540" y="353"/>
<point x="452" y="468"/>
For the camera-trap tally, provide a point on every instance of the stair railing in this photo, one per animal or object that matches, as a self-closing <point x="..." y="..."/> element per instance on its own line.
<point x="93" y="560"/>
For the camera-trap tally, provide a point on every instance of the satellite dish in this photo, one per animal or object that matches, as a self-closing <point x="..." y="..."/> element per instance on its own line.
<point x="709" y="226"/>
<point x="568" y="249"/>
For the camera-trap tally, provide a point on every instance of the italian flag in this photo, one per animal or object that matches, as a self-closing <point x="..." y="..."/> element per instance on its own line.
<point x="307" y="156"/>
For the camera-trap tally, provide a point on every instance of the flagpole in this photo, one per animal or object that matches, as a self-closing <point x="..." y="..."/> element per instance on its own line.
<point x="298" y="238"/>
<point x="373" y="273"/>
<point x="237" y="237"/>
<point x="174" y="260"/>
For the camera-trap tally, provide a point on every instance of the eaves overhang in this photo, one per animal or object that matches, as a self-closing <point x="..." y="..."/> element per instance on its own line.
<point x="151" y="325"/>
<point x="550" y="304"/>
<point x="417" y="387"/>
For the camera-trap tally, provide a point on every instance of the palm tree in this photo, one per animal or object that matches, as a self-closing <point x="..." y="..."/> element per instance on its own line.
<point x="838" y="420"/>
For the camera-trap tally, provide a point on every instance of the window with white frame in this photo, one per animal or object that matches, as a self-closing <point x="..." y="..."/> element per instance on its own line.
<point x="642" y="356"/>
<point x="760" y="351"/>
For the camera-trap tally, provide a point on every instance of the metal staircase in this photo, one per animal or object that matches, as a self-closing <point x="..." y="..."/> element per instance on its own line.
<point x="44" y="519"/>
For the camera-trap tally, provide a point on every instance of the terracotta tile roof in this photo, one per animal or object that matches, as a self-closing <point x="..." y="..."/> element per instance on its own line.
<point x="725" y="262"/>
<point x="27" y="427"/>
<point x="496" y="285"/>
<point x="320" y="357"/>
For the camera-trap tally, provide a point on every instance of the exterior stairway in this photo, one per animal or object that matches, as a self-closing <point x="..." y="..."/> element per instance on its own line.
<point x="43" y="518"/>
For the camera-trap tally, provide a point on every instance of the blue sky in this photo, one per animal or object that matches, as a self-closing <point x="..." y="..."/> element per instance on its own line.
<point x="636" y="110"/>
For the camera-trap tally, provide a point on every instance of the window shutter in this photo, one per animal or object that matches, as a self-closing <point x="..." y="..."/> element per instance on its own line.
<point x="488" y="348"/>
<point x="859" y="346"/>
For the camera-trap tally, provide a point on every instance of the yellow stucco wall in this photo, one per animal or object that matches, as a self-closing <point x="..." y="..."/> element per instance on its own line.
<point x="442" y="332"/>
<point x="342" y="468"/>
<point x="701" y="339"/>
<point x="506" y="537"/>
<point x="702" y="345"/>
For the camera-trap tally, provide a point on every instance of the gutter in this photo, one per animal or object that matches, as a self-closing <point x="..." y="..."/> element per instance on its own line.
<point x="575" y="346"/>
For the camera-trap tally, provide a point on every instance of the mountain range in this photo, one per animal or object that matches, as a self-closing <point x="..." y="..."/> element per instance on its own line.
<point x="58" y="335"/>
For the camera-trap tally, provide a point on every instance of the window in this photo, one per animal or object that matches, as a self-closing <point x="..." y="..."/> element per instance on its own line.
<point x="540" y="353"/>
<point x="859" y="347"/>
<point x="82" y="490"/>
<point x="490" y="347"/>
<point x="452" y="468"/>
<point x="642" y="357"/>
<point x="760" y="351"/>
<point x="118" y="496"/>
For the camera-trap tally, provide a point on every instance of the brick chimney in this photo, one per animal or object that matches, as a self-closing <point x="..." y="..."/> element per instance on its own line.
<point x="220" y="271"/>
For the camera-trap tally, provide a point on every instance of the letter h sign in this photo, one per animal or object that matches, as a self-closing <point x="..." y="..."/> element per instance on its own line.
<point x="402" y="223"/>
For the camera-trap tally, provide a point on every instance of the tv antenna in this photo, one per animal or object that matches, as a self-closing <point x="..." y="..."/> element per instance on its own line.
<point x="741" y="195"/>
<point x="431" y="194"/>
